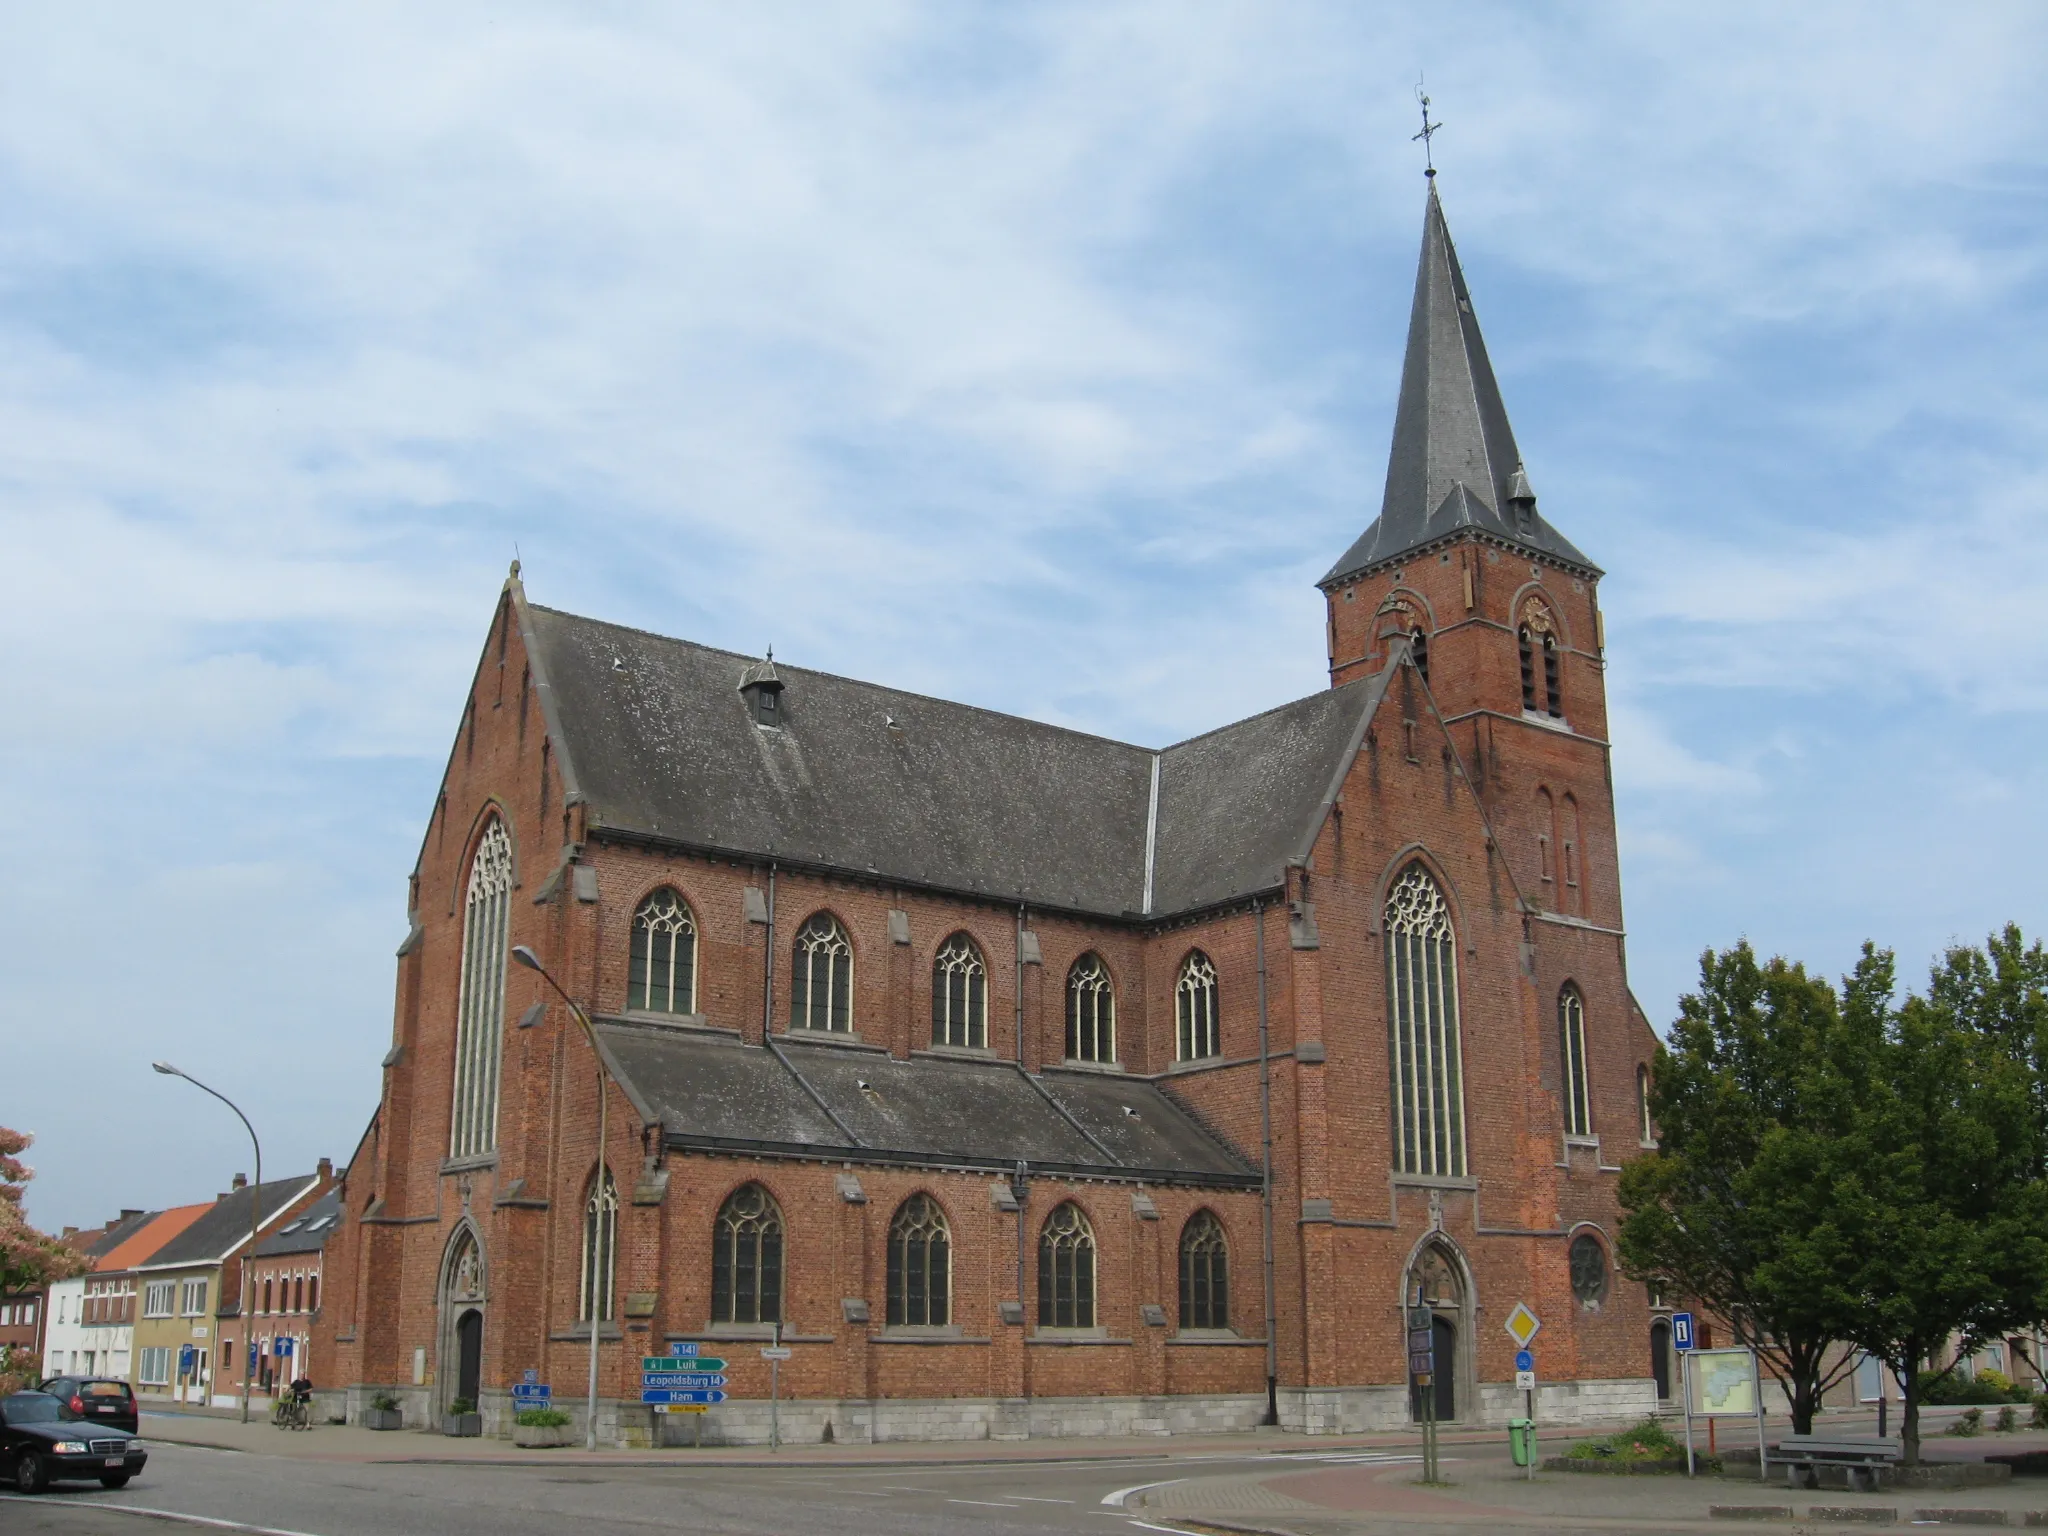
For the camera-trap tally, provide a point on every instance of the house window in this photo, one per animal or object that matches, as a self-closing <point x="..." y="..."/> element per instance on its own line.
<point x="1091" y="1011"/>
<point x="266" y="1293"/>
<point x="600" y="1247"/>
<point x="1204" y="1273"/>
<point x="480" y="1011"/>
<point x="298" y="1293"/>
<point x="746" y="1259"/>
<point x="1195" y="1004"/>
<point x="1571" y="1049"/>
<point x="192" y="1298"/>
<point x="920" y="1265"/>
<point x="1066" y="1270"/>
<point x="155" y="1370"/>
<point x="959" y="994"/>
<point x="1424" y="1053"/>
<point x="821" y="977"/>
<point x="159" y="1297"/>
<point x="312" y="1293"/>
<point x="662" y="977"/>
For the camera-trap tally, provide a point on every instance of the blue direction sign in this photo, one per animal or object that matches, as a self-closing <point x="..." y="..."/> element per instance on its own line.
<point x="1681" y="1331"/>
<point x="532" y="1391"/>
<point x="681" y="1381"/>
<point x="1525" y="1360"/>
<point x="660" y="1397"/>
<point x="687" y="1348"/>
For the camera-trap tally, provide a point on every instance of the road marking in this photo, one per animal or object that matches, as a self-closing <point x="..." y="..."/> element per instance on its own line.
<point x="984" y="1503"/>
<point x="1121" y="1494"/>
<point x="1031" y="1498"/>
<point x="1174" y="1529"/>
<point x="169" y="1514"/>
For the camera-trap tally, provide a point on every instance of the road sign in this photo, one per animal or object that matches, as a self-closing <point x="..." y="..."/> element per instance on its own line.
<point x="658" y="1397"/>
<point x="688" y="1347"/>
<point x="681" y="1408"/>
<point x="776" y="1352"/>
<point x="681" y="1381"/>
<point x="1524" y="1360"/>
<point x="1525" y="1381"/>
<point x="1523" y="1325"/>
<point x="1723" y="1384"/>
<point x="1420" y="1317"/>
<point x="532" y="1391"/>
<point x="1422" y="1338"/>
<point x="674" y="1365"/>
<point x="1681" y="1331"/>
<point x="529" y="1376"/>
<point x="1422" y="1364"/>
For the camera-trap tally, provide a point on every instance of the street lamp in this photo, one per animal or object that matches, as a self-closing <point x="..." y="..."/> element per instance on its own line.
<point x="255" y="1216"/>
<point x="531" y="961"/>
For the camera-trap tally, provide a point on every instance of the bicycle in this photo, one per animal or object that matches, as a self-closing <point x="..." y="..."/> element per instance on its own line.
<point x="292" y="1412"/>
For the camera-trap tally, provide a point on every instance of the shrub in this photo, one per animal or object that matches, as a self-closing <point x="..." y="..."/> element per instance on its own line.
<point x="541" y="1418"/>
<point x="1954" y="1387"/>
<point x="2008" y="1420"/>
<point x="1971" y="1423"/>
<point x="384" y="1402"/>
<point x="460" y="1406"/>
<point x="1647" y="1441"/>
<point x="1997" y="1381"/>
<point x="2040" y="1418"/>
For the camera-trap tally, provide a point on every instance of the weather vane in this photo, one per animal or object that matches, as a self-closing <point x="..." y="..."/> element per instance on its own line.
<point x="1428" y="132"/>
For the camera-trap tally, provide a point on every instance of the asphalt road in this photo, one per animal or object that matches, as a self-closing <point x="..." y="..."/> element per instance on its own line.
<point x="225" y="1490"/>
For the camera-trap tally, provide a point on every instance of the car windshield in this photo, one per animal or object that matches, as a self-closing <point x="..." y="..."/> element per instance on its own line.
<point x="29" y="1408"/>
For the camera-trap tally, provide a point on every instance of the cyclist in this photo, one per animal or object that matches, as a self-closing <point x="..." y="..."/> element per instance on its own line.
<point x="297" y="1407"/>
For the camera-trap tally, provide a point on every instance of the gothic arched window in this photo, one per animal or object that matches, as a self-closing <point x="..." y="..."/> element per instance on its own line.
<point x="600" y="1247"/>
<point x="1066" y="1270"/>
<point x="1553" y="688"/>
<point x="1647" y="1131"/>
<point x="1424" y="1051"/>
<point x="1194" y="997"/>
<point x="959" y="994"/>
<point x="1418" y="650"/>
<point x="1204" y="1273"/>
<point x="662" y="977"/>
<point x="1537" y="634"/>
<point x="1091" y="1011"/>
<point x="1526" y="649"/>
<point x="1571" y="1054"/>
<point x="480" y="1006"/>
<point x="821" y="976"/>
<point x="746" y="1259"/>
<point x="920" y="1265"/>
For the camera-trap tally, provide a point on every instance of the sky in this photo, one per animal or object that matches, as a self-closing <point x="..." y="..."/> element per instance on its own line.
<point x="1039" y="356"/>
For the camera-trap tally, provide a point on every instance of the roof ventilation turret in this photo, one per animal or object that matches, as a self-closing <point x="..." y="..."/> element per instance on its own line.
<point x="761" y="687"/>
<point x="1521" y="500"/>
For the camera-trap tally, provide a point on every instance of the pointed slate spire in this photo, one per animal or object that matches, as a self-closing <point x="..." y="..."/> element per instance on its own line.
<point x="1454" y="463"/>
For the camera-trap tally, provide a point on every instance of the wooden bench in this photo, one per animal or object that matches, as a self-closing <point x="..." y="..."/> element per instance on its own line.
<point x="1802" y="1457"/>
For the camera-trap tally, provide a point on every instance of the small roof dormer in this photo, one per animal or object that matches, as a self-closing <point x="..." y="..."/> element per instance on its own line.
<point x="761" y="687"/>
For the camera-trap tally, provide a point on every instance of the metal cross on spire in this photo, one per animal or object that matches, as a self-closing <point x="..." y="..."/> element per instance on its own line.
<point x="1428" y="132"/>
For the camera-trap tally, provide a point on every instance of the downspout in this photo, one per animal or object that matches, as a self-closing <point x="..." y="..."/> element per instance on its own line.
<point x="1020" y="986"/>
<point x="1266" y="1173"/>
<point x="768" y="1025"/>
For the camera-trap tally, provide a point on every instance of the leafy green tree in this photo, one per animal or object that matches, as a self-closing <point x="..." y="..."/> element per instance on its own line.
<point x="1736" y="1207"/>
<point x="1940" y="1182"/>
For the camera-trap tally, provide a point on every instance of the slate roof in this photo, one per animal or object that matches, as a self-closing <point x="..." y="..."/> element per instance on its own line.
<point x="713" y="1093"/>
<point x="1453" y="454"/>
<point x="224" y="1226"/>
<point x="308" y="1231"/>
<point x="97" y="1245"/>
<point x="658" y="740"/>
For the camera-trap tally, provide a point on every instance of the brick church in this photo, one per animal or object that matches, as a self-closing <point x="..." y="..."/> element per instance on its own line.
<point x="1019" y="1081"/>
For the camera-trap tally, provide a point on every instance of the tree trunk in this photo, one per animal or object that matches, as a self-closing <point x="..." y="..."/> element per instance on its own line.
<point x="1909" y="1415"/>
<point x="1803" y="1404"/>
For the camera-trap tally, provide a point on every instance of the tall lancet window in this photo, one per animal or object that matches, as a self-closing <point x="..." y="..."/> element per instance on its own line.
<point x="480" y="1008"/>
<point x="1571" y="1050"/>
<point x="600" y="1246"/>
<point x="1195" y="1002"/>
<point x="1422" y="1023"/>
<point x="959" y="994"/>
<point x="662" y="976"/>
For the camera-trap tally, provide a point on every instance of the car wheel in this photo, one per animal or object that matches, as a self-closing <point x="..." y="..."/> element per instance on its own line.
<point x="30" y="1475"/>
<point x="115" y="1479"/>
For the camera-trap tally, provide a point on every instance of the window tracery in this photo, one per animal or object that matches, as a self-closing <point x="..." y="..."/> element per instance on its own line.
<point x="1066" y="1270"/>
<point x="746" y="1259"/>
<point x="1425" y="1052"/>
<point x="821" y="977"/>
<point x="1204" y="1273"/>
<point x="662" y="974"/>
<point x="960" y="994"/>
<point x="1091" y="1011"/>
<point x="920" y="1281"/>
<point x="1195" y="1006"/>
<point x="480" y="1008"/>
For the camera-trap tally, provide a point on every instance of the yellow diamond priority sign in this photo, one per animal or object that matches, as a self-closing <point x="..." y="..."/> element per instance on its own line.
<point x="1522" y="1325"/>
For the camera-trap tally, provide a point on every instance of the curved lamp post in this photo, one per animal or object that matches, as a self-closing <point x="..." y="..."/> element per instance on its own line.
<point x="531" y="961"/>
<point x="255" y="1217"/>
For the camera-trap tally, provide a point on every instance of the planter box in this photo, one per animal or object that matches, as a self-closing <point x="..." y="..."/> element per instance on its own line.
<point x="383" y="1418"/>
<point x="538" y="1436"/>
<point x="462" y="1425"/>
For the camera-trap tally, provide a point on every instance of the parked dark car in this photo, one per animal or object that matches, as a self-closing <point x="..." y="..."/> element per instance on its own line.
<point x="95" y="1399"/>
<point x="39" y="1446"/>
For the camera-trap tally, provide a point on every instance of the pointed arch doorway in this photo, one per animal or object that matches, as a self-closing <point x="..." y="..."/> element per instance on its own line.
<point x="461" y="1352"/>
<point x="1439" y="1282"/>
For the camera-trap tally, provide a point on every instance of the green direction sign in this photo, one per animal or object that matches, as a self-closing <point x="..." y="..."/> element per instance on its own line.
<point x="651" y="1363"/>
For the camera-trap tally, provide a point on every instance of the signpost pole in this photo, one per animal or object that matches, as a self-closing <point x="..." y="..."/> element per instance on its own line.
<point x="1529" y="1472"/>
<point x="775" y="1392"/>
<point x="1685" y="1392"/>
<point x="1756" y="1375"/>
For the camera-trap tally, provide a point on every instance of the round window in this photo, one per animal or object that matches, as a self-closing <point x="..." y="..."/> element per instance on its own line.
<point x="1589" y="1269"/>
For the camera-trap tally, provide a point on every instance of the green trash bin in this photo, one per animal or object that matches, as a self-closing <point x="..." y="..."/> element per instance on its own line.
<point x="1520" y="1440"/>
